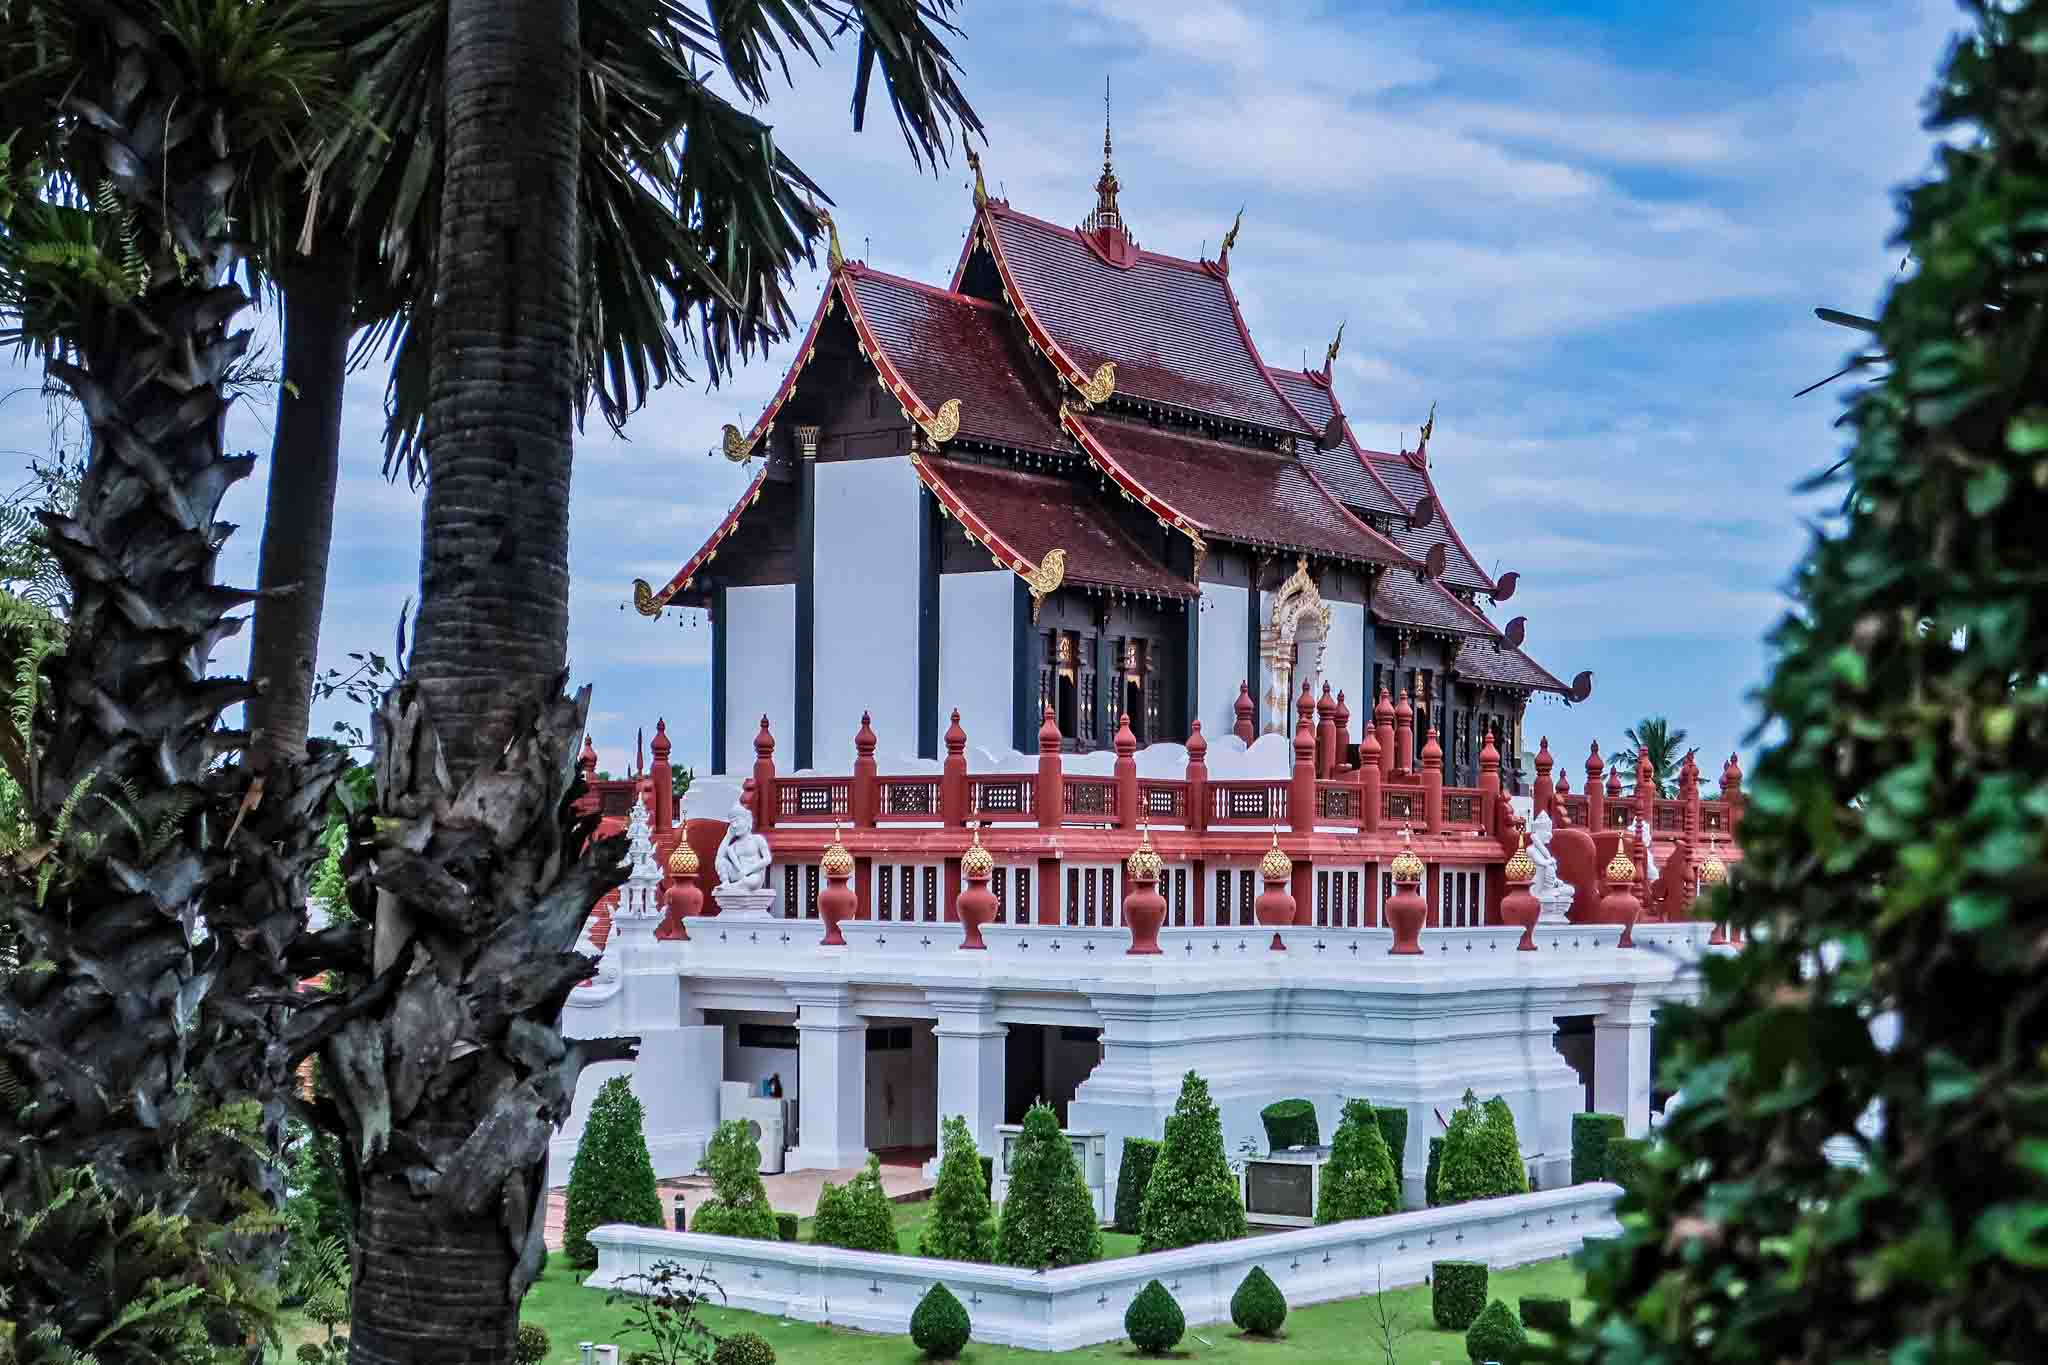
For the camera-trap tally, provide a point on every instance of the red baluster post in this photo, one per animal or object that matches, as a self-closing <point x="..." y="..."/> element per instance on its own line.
<point x="1596" y="803"/>
<point x="664" y="807"/>
<point x="1198" y="779"/>
<point x="1326" y="734"/>
<point x="1432" y="784"/>
<point x="1369" y="776"/>
<point x="1246" y="713"/>
<point x="1383" y="724"/>
<point x="1545" y="790"/>
<point x="862" y="799"/>
<point x="764" y="777"/>
<point x="953" y="776"/>
<point x="1126" y="773"/>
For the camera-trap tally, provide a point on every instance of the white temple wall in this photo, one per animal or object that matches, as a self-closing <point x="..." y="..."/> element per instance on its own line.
<point x="1344" y="660"/>
<point x="865" y="608"/>
<point x="760" y="671"/>
<point x="1221" y="667"/>
<point x="977" y="668"/>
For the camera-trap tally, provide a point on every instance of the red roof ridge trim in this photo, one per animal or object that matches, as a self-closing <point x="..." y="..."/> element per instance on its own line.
<point x="1041" y="338"/>
<point x="766" y="421"/>
<point x="938" y="291"/>
<point x="650" y="603"/>
<point x="977" y="530"/>
<point x="877" y="355"/>
<point x="1166" y="512"/>
<point x="1138" y="253"/>
<point x="1350" y="437"/>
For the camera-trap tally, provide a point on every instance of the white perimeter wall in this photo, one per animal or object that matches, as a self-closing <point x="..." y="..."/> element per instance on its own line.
<point x="977" y="644"/>
<point x="864" y="631"/>
<point x="760" y="672"/>
<point x="1221" y="668"/>
<point x="1344" y="660"/>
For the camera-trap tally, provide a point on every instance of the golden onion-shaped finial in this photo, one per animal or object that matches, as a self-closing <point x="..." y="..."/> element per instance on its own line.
<point x="1143" y="865"/>
<point x="1521" y="867"/>
<point x="837" y="862"/>
<point x="1621" y="868"/>
<point x="1276" y="865"/>
<point x="1713" y="872"/>
<point x="977" y="862"/>
<point x="683" y="862"/>
<point x="1406" y="866"/>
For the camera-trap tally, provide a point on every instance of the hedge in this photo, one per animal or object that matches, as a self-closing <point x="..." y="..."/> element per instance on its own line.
<point x="939" y="1326"/>
<point x="1154" y="1322"/>
<point x="1457" y="1293"/>
<point x="1628" y="1162"/>
<point x="788" y="1226"/>
<point x="1430" y="1194"/>
<point x="1290" y="1123"/>
<point x="1393" y="1124"/>
<point x="1258" y="1307"/>
<point x="1048" y="1220"/>
<point x="1193" y="1196"/>
<point x="1134" y="1173"/>
<point x="988" y="1176"/>
<point x="612" y="1180"/>
<point x="961" y="1226"/>
<point x="1591" y="1136"/>
<point x="738" y="1206"/>
<point x="1546" y="1314"/>
<point x="1496" y="1336"/>
<point x="1359" y="1181"/>
<point x="746" y="1348"/>
<point x="856" y="1215"/>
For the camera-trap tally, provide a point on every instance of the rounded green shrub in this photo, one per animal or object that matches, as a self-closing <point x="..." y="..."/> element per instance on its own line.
<point x="1393" y="1125"/>
<point x="1133" y="1174"/>
<point x="530" y="1347"/>
<point x="1627" y="1162"/>
<point x="738" y="1206"/>
<point x="612" y="1180"/>
<point x="1457" y="1293"/>
<point x="1290" y="1123"/>
<point x="1496" y="1336"/>
<point x="940" y="1326"/>
<point x="1432" y="1176"/>
<point x="1482" y="1157"/>
<point x="1546" y="1314"/>
<point x="1258" y="1307"/>
<point x="1048" y="1220"/>
<point x="1359" y="1181"/>
<point x="1192" y="1197"/>
<point x="961" y="1226"/>
<point x="856" y="1215"/>
<point x="744" y="1348"/>
<point x="1591" y="1136"/>
<point x="788" y="1226"/>
<point x="1154" y="1322"/>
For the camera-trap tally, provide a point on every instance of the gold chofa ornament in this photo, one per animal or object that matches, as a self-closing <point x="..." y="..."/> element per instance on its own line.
<point x="646" y="602"/>
<point x="737" y="448"/>
<point x="1098" y="389"/>
<point x="945" y="423"/>
<point x="1045" y="580"/>
<point x="980" y="189"/>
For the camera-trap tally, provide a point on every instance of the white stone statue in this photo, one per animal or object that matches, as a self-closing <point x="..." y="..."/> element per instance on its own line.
<point x="1550" y="890"/>
<point x="1649" y="851"/>
<point x="743" y="856"/>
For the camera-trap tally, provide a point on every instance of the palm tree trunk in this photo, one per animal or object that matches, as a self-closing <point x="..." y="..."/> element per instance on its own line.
<point x="298" y="517"/>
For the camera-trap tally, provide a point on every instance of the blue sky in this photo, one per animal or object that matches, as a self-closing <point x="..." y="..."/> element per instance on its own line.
<point x="1592" y="233"/>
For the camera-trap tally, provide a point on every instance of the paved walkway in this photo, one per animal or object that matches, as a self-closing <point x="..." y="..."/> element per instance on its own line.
<point x="791" y="1192"/>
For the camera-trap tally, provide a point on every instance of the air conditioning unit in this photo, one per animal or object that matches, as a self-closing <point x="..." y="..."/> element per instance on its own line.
<point x="768" y="1120"/>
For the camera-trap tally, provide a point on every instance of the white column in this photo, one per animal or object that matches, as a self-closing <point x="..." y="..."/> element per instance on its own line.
<point x="832" y="1079"/>
<point x="971" y="1062"/>
<point x="1621" y="1060"/>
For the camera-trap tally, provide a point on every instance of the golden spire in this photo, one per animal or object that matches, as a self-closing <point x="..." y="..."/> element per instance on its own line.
<point x="1143" y="865"/>
<point x="980" y="188"/>
<point x="683" y="862"/>
<point x="977" y="861"/>
<point x="1106" y="214"/>
<point x="1407" y="868"/>
<point x="1276" y="865"/>
<point x="1621" y="868"/>
<point x="837" y="862"/>
<point x="1521" y="868"/>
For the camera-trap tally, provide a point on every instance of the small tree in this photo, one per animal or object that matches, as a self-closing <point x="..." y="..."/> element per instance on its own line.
<point x="1359" y="1180"/>
<point x="1048" y="1220"/>
<point x="856" y="1215"/>
<point x="1500" y="1150"/>
<point x="612" y="1180"/>
<point x="1193" y="1196"/>
<point x="1258" y="1307"/>
<point x="1133" y="1175"/>
<point x="1384" y="1325"/>
<point x="940" y="1326"/>
<point x="1154" y="1321"/>
<point x="1432" y="1176"/>
<point x="1482" y="1157"/>
<point x="962" y="1223"/>
<point x="1496" y="1336"/>
<point x="738" y="1206"/>
<point x="1393" y="1121"/>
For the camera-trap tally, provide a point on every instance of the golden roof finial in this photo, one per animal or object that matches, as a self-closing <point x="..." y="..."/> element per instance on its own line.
<point x="977" y="861"/>
<point x="1428" y="426"/>
<point x="1406" y="867"/>
<point x="1330" y="355"/>
<point x="1230" y="237"/>
<point x="834" y="257"/>
<point x="1144" y="864"/>
<point x="836" y="862"/>
<point x="980" y="188"/>
<point x="1106" y="214"/>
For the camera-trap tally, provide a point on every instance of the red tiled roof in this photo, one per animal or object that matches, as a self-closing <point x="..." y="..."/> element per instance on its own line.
<point x="1409" y="482"/>
<point x="1401" y="599"/>
<point x="946" y="345"/>
<point x="1171" y="326"/>
<point x="1254" y="496"/>
<point x="1342" y="467"/>
<point x="1038" y="513"/>
<point x="1503" y="664"/>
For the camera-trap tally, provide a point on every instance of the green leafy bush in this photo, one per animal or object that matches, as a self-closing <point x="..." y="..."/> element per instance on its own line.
<point x="1154" y="1322"/>
<point x="743" y="1348"/>
<point x="961" y="1225"/>
<point x="856" y="1215"/>
<point x="530" y="1347"/>
<point x="1258" y="1307"/>
<point x="1546" y="1314"/>
<point x="738" y="1206"/>
<point x="1134" y="1173"/>
<point x="1192" y="1196"/>
<point x="939" y="1326"/>
<point x="1048" y="1220"/>
<point x="1457" y="1293"/>
<point x="1591" y="1135"/>
<point x="788" y="1227"/>
<point x="612" y="1180"/>
<point x="1482" y="1157"/>
<point x="1359" y="1180"/>
<point x="1393" y="1124"/>
<point x="1432" y="1177"/>
<point x="1290" y="1123"/>
<point x="988" y="1176"/>
<point x="1627" y="1160"/>
<point x="1496" y="1336"/>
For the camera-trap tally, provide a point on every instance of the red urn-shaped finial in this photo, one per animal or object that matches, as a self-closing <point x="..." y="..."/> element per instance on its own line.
<point x="1326" y="705"/>
<point x="587" y="761"/>
<point x="660" y="747"/>
<point x="1343" y="721"/>
<point x="764" y="743"/>
<point x="1048" y="734"/>
<point x="1275" y="905"/>
<point x="836" y="903"/>
<point x="1564" y="784"/>
<point x="977" y="904"/>
<point x="1406" y="909"/>
<point x="1369" y="748"/>
<point x="1593" y="766"/>
<point x="1432" y="752"/>
<point x="1688" y="775"/>
<point x="1198" y="747"/>
<point x="1545" y="762"/>
<point x="1489" y="756"/>
<point x="1305" y="708"/>
<point x="1731" y="777"/>
<point x="1126" y="742"/>
<point x="864" y="738"/>
<point x="1646" y="774"/>
<point x="1404" y="732"/>
<point x="956" y="738"/>
<point x="1614" y="782"/>
<point x="683" y="898"/>
<point x="1383" y="710"/>
<point x="1518" y="906"/>
<point x="1242" y="710"/>
<point x="1144" y="907"/>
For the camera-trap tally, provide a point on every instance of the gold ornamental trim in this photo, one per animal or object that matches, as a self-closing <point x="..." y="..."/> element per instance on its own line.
<point x="945" y="423"/>
<point x="1045" y="580"/>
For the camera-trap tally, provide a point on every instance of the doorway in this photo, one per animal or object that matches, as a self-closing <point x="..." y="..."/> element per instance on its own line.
<point x="1046" y="1063"/>
<point x="902" y="1089"/>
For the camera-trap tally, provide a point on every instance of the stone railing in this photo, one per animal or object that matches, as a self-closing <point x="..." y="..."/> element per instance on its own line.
<point x="1078" y="1306"/>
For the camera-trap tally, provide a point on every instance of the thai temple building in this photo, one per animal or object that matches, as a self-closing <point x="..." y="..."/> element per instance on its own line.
<point x="1106" y="710"/>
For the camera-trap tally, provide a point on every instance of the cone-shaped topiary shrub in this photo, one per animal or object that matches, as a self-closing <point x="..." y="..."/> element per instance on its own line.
<point x="1290" y="1123"/>
<point x="1192" y="1197"/>
<point x="1482" y="1156"/>
<point x="1457" y="1293"/>
<point x="1258" y="1307"/>
<point x="743" y="1348"/>
<point x="939" y="1326"/>
<point x="1393" y="1123"/>
<point x="1496" y="1336"/>
<point x="856" y="1215"/>
<point x="1500" y="1150"/>
<point x="1133" y="1175"/>
<point x="1359" y="1180"/>
<point x="738" y="1206"/>
<point x="612" y="1180"/>
<point x="1592" y="1134"/>
<point x="1154" y="1322"/>
<point x="1048" y="1220"/>
<point x="1432" y="1194"/>
<point x="1545" y="1313"/>
<point x="961" y="1226"/>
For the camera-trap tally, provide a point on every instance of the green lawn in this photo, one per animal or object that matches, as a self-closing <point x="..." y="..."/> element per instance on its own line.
<point x="1324" y="1332"/>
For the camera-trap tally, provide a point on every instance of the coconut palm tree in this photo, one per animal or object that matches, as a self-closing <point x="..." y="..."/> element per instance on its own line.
<point x="1652" y="735"/>
<point x="141" y="1048"/>
<point x="690" y="221"/>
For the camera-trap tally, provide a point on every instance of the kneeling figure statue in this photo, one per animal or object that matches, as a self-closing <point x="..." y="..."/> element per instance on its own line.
<point x="742" y="865"/>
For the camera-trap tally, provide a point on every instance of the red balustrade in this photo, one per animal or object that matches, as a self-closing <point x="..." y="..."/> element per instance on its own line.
<point x="1339" y="803"/>
<point x="1247" y="803"/>
<point x="1091" y="799"/>
<point x="1163" y="799"/>
<point x="992" y="798"/>
<point x="907" y="798"/>
<point x="818" y="800"/>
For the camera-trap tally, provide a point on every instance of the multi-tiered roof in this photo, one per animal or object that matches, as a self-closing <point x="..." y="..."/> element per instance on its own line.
<point x="1063" y="370"/>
